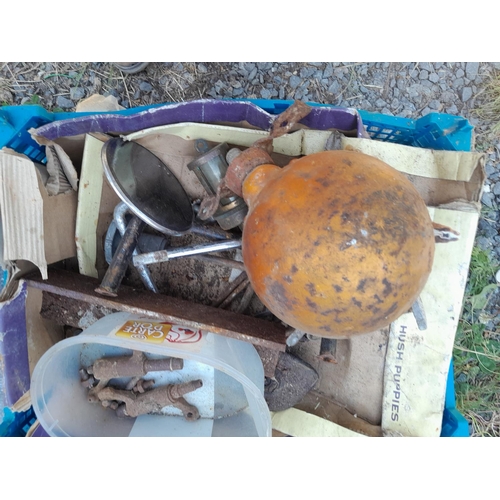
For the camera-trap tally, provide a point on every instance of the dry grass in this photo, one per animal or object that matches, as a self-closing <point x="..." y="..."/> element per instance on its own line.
<point x="489" y="107"/>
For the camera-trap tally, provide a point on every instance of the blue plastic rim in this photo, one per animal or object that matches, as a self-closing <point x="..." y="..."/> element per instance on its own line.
<point x="434" y="131"/>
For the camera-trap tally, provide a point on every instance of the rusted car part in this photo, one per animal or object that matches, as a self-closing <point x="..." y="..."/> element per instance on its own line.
<point x="70" y="297"/>
<point x="175" y="253"/>
<point x="153" y="195"/>
<point x="153" y="400"/>
<point x="259" y="153"/>
<point x="293" y="379"/>
<point x="328" y="350"/>
<point x="360" y="242"/>
<point x="210" y="168"/>
<point x="118" y="267"/>
<point x="135" y="366"/>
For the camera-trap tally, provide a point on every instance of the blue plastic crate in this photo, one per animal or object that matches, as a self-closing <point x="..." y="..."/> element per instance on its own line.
<point x="16" y="121"/>
<point x="434" y="131"/>
<point x="16" y="424"/>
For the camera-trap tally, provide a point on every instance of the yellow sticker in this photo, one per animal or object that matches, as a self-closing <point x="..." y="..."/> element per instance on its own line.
<point x="157" y="333"/>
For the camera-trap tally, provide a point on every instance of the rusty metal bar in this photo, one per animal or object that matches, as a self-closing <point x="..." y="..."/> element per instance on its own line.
<point x="231" y="287"/>
<point x="118" y="267"/>
<point x="74" y="287"/>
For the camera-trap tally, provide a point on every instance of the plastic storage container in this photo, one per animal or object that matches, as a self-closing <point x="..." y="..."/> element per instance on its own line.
<point x="231" y="402"/>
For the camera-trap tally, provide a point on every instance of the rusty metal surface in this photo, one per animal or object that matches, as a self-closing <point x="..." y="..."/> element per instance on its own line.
<point x="151" y="401"/>
<point x="242" y="165"/>
<point x="132" y="366"/>
<point x="246" y="299"/>
<point x="269" y="358"/>
<point x="230" y="288"/>
<point x="258" y="154"/>
<point x="73" y="287"/>
<point x="283" y="123"/>
<point x="118" y="267"/>
<point x="328" y="350"/>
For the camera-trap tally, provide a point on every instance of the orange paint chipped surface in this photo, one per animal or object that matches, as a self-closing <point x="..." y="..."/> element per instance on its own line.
<point x="337" y="243"/>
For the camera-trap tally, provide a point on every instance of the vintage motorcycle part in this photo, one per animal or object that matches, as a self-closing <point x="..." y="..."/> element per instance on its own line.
<point x="210" y="168"/>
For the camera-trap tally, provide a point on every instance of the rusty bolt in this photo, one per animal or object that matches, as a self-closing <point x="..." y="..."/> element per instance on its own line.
<point x="88" y="383"/>
<point x="143" y="385"/>
<point x="177" y="391"/>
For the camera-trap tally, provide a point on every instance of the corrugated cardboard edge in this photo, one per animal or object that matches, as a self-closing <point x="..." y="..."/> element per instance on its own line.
<point x="21" y="209"/>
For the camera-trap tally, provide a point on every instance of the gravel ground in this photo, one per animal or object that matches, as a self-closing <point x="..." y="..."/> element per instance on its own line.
<point x="401" y="89"/>
<point x="406" y="89"/>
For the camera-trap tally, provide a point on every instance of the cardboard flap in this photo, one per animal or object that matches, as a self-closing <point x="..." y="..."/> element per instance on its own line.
<point x="36" y="227"/>
<point x="21" y="209"/>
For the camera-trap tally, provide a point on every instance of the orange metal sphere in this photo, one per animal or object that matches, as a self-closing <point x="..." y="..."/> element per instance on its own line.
<point x="336" y="243"/>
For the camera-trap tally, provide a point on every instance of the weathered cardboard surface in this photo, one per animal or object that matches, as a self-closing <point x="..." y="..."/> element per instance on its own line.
<point x="37" y="227"/>
<point x="89" y="203"/>
<point x="417" y="362"/>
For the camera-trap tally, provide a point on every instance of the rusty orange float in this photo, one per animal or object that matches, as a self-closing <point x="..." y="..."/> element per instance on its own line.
<point x="337" y="243"/>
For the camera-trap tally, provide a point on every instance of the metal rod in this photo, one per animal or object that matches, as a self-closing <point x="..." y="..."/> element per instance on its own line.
<point x="234" y="293"/>
<point x="245" y="300"/>
<point x="173" y="253"/>
<point x="119" y="217"/>
<point x="118" y="267"/>
<point x="213" y="259"/>
<point x="232" y="287"/>
<point x="211" y="232"/>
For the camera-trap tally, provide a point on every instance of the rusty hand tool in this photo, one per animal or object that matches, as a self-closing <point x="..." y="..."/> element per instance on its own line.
<point x="152" y="401"/>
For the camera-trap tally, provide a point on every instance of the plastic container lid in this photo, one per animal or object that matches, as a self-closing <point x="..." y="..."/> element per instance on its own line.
<point x="231" y="401"/>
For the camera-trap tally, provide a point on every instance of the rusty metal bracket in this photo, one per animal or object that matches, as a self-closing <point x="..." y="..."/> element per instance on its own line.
<point x="134" y="366"/>
<point x="69" y="295"/>
<point x="152" y="401"/>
